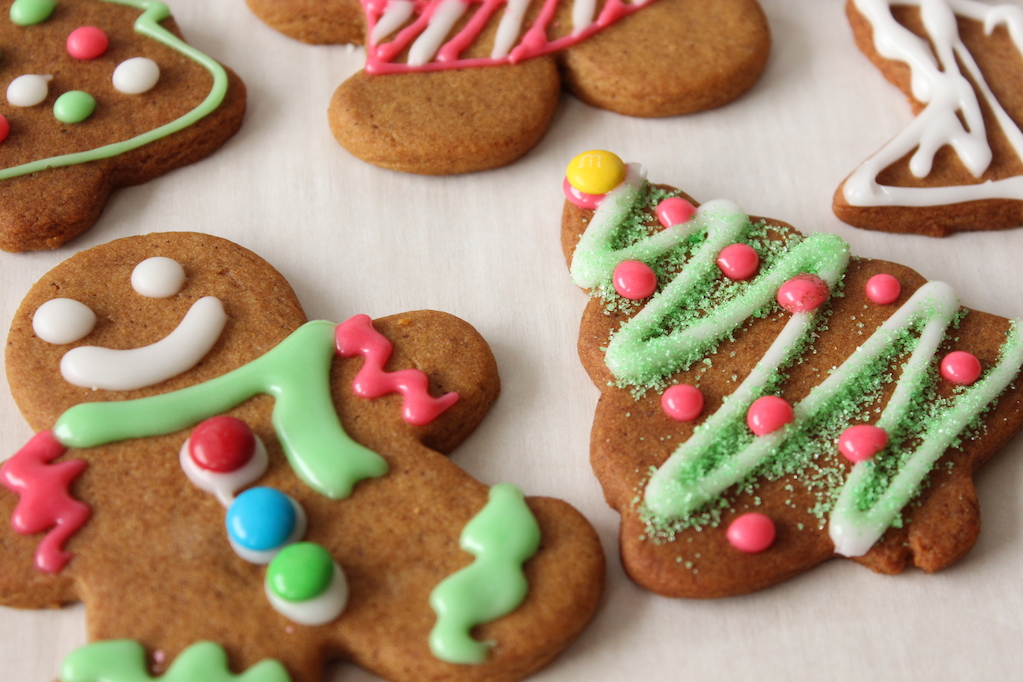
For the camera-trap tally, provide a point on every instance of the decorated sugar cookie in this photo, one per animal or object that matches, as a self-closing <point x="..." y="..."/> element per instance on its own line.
<point x="219" y="479"/>
<point x="750" y="428"/>
<point x="98" y="94"/>
<point x="452" y="86"/>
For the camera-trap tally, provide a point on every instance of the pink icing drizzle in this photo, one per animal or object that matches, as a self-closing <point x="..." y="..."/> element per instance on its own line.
<point x="534" y="43"/>
<point x="46" y="502"/>
<point x="356" y="336"/>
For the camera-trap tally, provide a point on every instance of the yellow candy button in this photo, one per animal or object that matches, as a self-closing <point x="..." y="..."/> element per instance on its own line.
<point x="595" y="172"/>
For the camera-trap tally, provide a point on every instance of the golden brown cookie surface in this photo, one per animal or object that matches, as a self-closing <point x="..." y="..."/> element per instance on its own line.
<point x="57" y="173"/>
<point x="153" y="562"/>
<point x="734" y="357"/>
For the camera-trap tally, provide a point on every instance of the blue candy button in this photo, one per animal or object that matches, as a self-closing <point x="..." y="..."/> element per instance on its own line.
<point x="261" y="519"/>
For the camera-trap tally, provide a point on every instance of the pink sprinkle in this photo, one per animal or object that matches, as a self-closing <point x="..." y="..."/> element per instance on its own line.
<point x="751" y="533"/>
<point x="768" y="414"/>
<point x="5" y="128"/>
<point x="738" y="261"/>
<point x="960" y="367"/>
<point x="860" y="443"/>
<point x="803" y="293"/>
<point x="674" y="211"/>
<point x="581" y="199"/>
<point x="87" y="42"/>
<point x="883" y="289"/>
<point x="682" y="402"/>
<point x="634" y="280"/>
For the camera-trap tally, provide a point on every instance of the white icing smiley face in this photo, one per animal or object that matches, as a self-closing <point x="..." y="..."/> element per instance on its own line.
<point x="63" y="320"/>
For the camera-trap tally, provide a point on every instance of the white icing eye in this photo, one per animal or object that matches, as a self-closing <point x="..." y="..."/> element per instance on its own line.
<point x="136" y="75"/>
<point x="28" y="90"/>
<point x="158" y="277"/>
<point x="63" y="320"/>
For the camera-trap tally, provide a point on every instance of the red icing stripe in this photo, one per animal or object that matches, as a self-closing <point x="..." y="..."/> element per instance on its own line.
<point x="356" y="336"/>
<point x="46" y="502"/>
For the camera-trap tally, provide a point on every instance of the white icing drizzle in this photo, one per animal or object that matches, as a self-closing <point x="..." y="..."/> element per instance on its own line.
<point x="224" y="485"/>
<point x="125" y="370"/>
<point x="430" y="40"/>
<point x="508" y="29"/>
<point x="938" y="82"/>
<point x="158" y="277"/>
<point x="582" y="15"/>
<point x="395" y="15"/>
<point x="319" y="610"/>
<point x="63" y="320"/>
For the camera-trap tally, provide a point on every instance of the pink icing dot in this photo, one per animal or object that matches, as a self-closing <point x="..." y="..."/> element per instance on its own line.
<point x="860" y="443"/>
<point x="634" y="280"/>
<point x="581" y="199"/>
<point x="803" y="293"/>
<point x="682" y="402"/>
<point x="5" y="128"/>
<point x="87" y="42"/>
<point x="768" y="414"/>
<point x="751" y="533"/>
<point x="222" y="444"/>
<point x="883" y="289"/>
<point x="738" y="261"/>
<point x="960" y="367"/>
<point x="674" y="211"/>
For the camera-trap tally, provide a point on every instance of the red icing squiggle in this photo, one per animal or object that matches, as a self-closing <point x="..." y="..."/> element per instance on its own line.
<point x="46" y="502"/>
<point x="533" y="42"/>
<point x="356" y="336"/>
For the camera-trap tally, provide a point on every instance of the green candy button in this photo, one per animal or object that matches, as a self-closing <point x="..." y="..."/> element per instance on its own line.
<point x="300" y="572"/>
<point x="74" y="106"/>
<point x="30" y="12"/>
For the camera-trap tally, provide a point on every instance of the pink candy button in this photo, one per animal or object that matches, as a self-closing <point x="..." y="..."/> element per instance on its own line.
<point x="860" y="443"/>
<point x="87" y="42"/>
<point x="5" y="128"/>
<point x="580" y="199"/>
<point x="634" y="280"/>
<point x="738" y="261"/>
<point x="751" y="533"/>
<point x="682" y="402"/>
<point x="803" y="293"/>
<point x="883" y="289"/>
<point x="768" y="414"/>
<point x="674" y="211"/>
<point x="960" y="367"/>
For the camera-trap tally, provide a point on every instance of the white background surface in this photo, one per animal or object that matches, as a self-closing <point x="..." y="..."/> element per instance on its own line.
<point x="352" y="238"/>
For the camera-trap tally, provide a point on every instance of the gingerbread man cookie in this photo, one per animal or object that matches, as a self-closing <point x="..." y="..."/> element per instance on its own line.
<point x="768" y="401"/>
<point x="100" y="94"/>
<point x="453" y="86"/>
<point x="230" y="487"/>
<point x="959" y="165"/>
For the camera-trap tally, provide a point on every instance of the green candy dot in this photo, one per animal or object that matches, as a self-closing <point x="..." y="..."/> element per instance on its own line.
<point x="29" y="12"/>
<point x="74" y="106"/>
<point x="300" y="572"/>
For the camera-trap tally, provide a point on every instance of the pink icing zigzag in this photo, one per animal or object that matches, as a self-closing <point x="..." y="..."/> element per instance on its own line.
<point x="46" y="502"/>
<point x="356" y="336"/>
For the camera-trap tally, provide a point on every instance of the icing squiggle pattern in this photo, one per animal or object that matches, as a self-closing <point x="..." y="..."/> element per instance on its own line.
<point x="423" y="28"/>
<point x="123" y="660"/>
<point x="356" y="336"/>
<point x="645" y="350"/>
<point x="148" y="25"/>
<point x="46" y="503"/>
<point x="952" y="115"/>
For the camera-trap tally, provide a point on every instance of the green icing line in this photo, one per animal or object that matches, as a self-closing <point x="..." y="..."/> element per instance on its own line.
<point x="148" y="25"/>
<point x="296" y="373"/>
<point x="122" y="660"/>
<point x="501" y="537"/>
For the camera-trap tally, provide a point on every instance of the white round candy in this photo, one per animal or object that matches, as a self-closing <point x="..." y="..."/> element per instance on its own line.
<point x="158" y="277"/>
<point x="63" y="320"/>
<point x="28" y="90"/>
<point x="136" y="75"/>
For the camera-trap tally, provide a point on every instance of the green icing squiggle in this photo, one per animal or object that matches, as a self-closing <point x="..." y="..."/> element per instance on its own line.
<point x="122" y="660"/>
<point x="148" y="25"/>
<point x="296" y="373"/>
<point x="501" y="537"/>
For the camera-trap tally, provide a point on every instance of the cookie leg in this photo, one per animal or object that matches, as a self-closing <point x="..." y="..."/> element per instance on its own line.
<point x="446" y="122"/>
<point x="674" y="57"/>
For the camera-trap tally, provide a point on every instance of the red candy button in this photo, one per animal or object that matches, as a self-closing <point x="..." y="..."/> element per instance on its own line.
<point x="960" y="367"/>
<point x="5" y="128"/>
<point x="682" y="402"/>
<point x="768" y="414"/>
<point x="738" y="261"/>
<point x="860" y="443"/>
<point x="222" y="444"/>
<point x="87" y="42"/>
<point x="634" y="280"/>
<point x="674" y="211"/>
<point x="751" y="533"/>
<point x="803" y="293"/>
